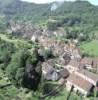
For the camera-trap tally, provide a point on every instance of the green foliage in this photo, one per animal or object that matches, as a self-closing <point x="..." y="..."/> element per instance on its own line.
<point x="15" y="69"/>
<point x="5" y="2"/>
<point x="6" y="51"/>
<point x="90" y="48"/>
<point x="52" y="25"/>
<point x="16" y="59"/>
<point x="76" y="11"/>
<point x="72" y="35"/>
<point x="79" y="14"/>
<point x="46" y="53"/>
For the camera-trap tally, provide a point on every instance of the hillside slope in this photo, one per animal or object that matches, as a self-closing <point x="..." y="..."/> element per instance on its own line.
<point x="79" y="15"/>
<point x="31" y="11"/>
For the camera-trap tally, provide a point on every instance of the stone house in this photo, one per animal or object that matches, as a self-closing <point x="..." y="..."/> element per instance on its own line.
<point x="79" y="84"/>
<point x="87" y="62"/>
<point x="49" y="72"/>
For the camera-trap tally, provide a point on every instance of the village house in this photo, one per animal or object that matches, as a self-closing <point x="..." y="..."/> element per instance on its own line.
<point x="79" y="84"/>
<point x="49" y="72"/>
<point x="89" y="63"/>
<point x="82" y="79"/>
<point x="64" y="59"/>
<point x="75" y="72"/>
<point x="89" y="76"/>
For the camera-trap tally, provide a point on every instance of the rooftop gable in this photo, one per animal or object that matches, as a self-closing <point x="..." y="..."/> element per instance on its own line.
<point x="79" y="82"/>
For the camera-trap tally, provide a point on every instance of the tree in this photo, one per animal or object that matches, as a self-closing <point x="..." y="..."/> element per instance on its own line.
<point x="72" y="35"/>
<point x="6" y="51"/>
<point x="52" y="25"/>
<point x="25" y="69"/>
<point x="16" y="67"/>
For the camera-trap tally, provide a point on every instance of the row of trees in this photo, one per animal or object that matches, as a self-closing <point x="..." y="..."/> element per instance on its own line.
<point x="75" y="34"/>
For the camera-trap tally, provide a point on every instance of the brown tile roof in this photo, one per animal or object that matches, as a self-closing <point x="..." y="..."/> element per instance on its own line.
<point x="89" y="74"/>
<point x="74" y="63"/>
<point x="80" y="82"/>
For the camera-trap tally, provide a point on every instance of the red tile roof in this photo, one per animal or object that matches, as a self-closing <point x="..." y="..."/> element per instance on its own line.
<point x="80" y="82"/>
<point x="89" y="74"/>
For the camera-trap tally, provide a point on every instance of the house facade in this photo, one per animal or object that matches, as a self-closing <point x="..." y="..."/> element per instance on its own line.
<point x="90" y="63"/>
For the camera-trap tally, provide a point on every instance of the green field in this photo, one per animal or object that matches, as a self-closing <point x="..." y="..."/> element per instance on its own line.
<point x="90" y="48"/>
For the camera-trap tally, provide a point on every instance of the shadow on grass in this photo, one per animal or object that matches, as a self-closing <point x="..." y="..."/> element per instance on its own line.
<point x="51" y="90"/>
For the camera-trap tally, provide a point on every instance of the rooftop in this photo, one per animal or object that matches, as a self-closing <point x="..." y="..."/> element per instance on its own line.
<point x="80" y="82"/>
<point x="89" y="74"/>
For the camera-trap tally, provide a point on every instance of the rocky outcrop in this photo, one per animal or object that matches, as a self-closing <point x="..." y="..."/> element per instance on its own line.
<point x="26" y="30"/>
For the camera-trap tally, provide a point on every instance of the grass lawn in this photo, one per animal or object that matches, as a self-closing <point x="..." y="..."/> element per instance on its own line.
<point x="90" y="48"/>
